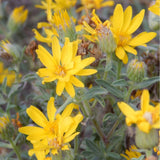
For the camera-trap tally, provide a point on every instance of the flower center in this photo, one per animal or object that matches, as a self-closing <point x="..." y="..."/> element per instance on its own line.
<point x="61" y="71"/>
<point x="123" y="39"/>
<point x="53" y="143"/>
<point x="51" y="128"/>
<point x="102" y="30"/>
<point x="148" y="117"/>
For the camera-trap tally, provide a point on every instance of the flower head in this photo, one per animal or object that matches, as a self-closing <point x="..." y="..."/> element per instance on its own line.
<point x="155" y="8"/>
<point x="54" y="133"/>
<point x="17" y="18"/>
<point x="19" y="15"/>
<point x="146" y="118"/>
<point x="131" y="153"/>
<point x="63" y="66"/>
<point x="94" y="4"/>
<point x="123" y="26"/>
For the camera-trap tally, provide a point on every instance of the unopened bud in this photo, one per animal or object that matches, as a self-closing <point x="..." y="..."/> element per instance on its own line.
<point x="146" y="140"/>
<point x="136" y="70"/>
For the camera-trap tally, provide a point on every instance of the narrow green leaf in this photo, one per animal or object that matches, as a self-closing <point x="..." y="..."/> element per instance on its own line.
<point x="29" y="76"/>
<point x="94" y="91"/>
<point x="111" y="89"/>
<point x="13" y="89"/>
<point x="5" y="145"/>
<point x="147" y="82"/>
<point x="120" y="83"/>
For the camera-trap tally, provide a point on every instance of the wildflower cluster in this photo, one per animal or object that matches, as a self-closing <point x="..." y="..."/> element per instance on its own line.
<point x="79" y="80"/>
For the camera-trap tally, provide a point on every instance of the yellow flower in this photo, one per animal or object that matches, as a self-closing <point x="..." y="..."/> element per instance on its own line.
<point x="100" y="30"/>
<point x="155" y="8"/>
<point x="19" y="15"/>
<point x="146" y="118"/>
<point x="4" y="121"/>
<point x="58" y="4"/>
<point x="123" y="26"/>
<point x="57" y="24"/>
<point x="131" y="153"/>
<point x="5" y="73"/>
<point x="63" y="66"/>
<point x="94" y="4"/>
<point x="54" y="133"/>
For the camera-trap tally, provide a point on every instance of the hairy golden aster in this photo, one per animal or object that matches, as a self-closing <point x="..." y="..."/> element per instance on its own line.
<point x="146" y="118"/>
<point x="54" y="133"/>
<point x="63" y="65"/>
<point x="123" y="26"/>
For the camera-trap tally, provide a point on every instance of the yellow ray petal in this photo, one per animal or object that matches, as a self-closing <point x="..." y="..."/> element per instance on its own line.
<point x="70" y="138"/>
<point x="142" y="38"/>
<point x="51" y="110"/>
<point x="56" y="50"/>
<point x="136" y="22"/>
<point x="86" y="72"/>
<point x="87" y="61"/>
<point x="118" y="17"/>
<point x="37" y="116"/>
<point x="127" y="19"/>
<point x="145" y="101"/>
<point x="125" y="59"/>
<point x="144" y="126"/>
<point x="75" y="81"/>
<point x="130" y="50"/>
<point x="120" y="53"/>
<point x="70" y="89"/>
<point x="60" y="87"/>
<point x="68" y="110"/>
<point x="67" y="53"/>
<point x="45" y="57"/>
<point x="31" y="130"/>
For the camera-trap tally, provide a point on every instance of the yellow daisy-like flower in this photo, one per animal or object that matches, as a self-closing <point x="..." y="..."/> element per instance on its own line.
<point x="5" y="73"/>
<point x="146" y="118"/>
<point x="57" y="24"/>
<point x="54" y="133"/>
<point x="155" y="8"/>
<point x="100" y="30"/>
<point x="63" y="66"/>
<point x="58" y="4"/>
<point x="19" y="15"/>
<point x="94" y="4"/>
<point x="131" y="153"/>
<point x="123" y="26"/>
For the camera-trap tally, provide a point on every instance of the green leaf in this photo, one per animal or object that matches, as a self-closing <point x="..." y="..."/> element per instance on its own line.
<point x="147" y="82"/>
<point x="120" y="83"/>
<point x="94" y="91"/>
<point x="111" y="89"/>
<point x="13" y="89"/>
<point x="113" y="155"/>
<point x="28" y="77"/>
<point x="101" y="101"/>
<point x="5" y="145"/>
<point x="4" y="85"/>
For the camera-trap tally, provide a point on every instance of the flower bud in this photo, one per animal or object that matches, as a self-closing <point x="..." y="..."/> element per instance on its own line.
<point x="17" y="18"/>
<point x="12" y="50"/>
<point x="153" y="21"/>
<point x="106" y="40"/>
<point x="146" y="140"/>
<point x="6" y="128"/>
<point x="136" y="70"/>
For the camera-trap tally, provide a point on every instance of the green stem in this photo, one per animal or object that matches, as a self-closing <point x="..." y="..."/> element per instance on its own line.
<point x="127" y="97"/>
<point x="75" y="145"/>
<point x="119" y="67"/>
<point x="114" y="126"/>
<point x="15" y="149"/>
